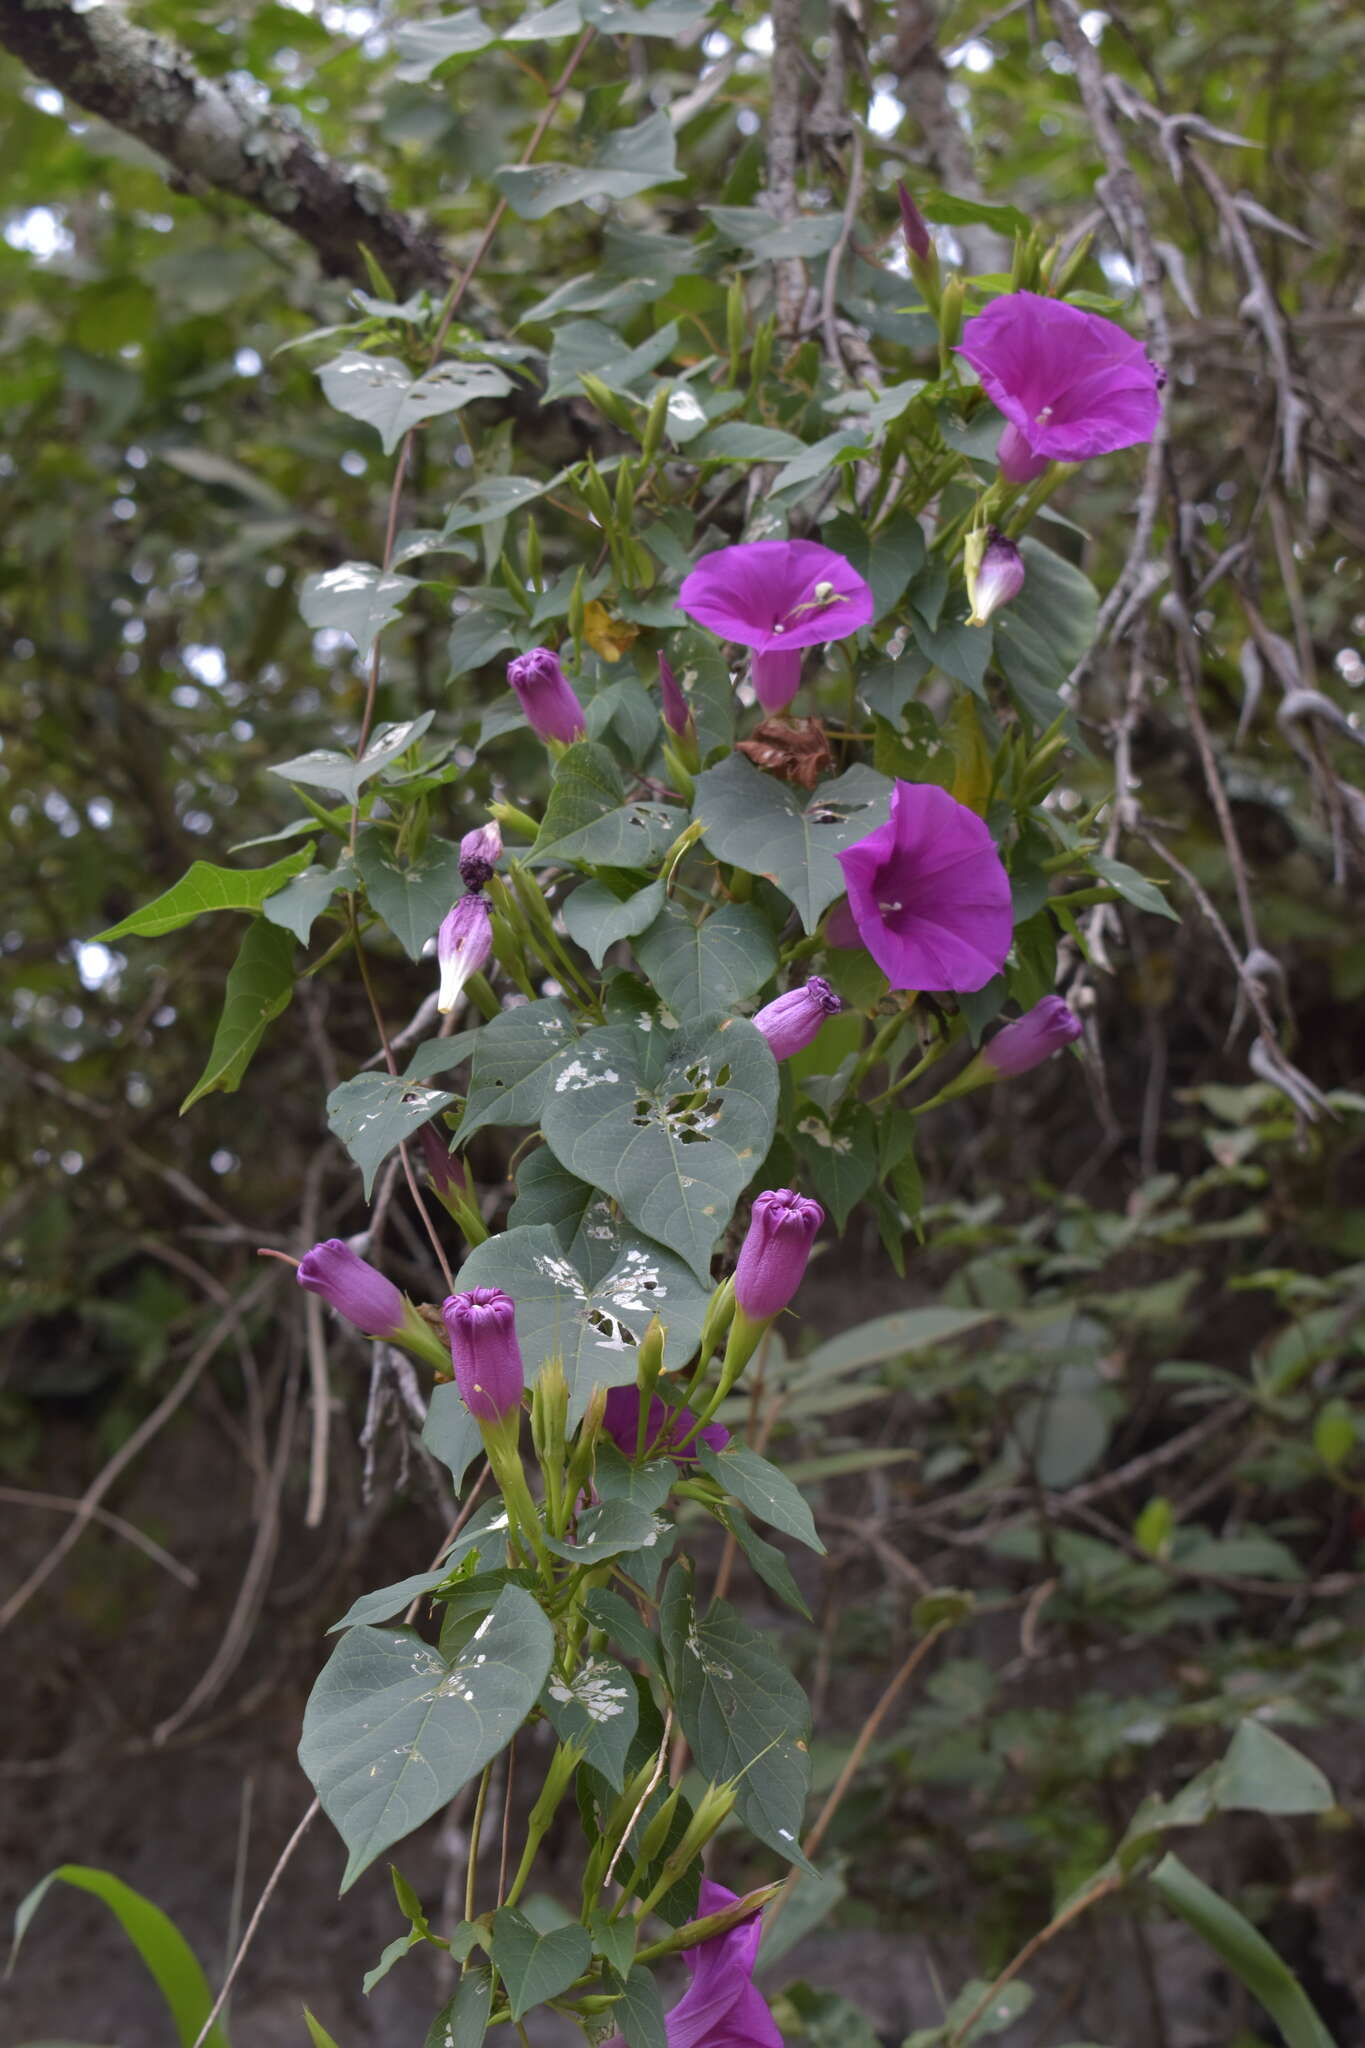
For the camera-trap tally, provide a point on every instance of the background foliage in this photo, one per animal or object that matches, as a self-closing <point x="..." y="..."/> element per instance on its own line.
<point x="1138" y="1444"/>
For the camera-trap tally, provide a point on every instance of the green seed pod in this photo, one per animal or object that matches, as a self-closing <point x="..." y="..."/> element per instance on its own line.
<point x="651" y="440"/>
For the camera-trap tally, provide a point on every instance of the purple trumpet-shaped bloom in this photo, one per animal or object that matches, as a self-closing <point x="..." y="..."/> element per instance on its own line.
<point x="547" y="696"/>
<point x="482" y="1329"/>
<point x="772" y="1258"/>
<point x="929" y="893"/>
<point x="1032" y="1038"/>
<point x="354" y="1288"/>
<point x="918" y="241"/>
<point x="480" y="852"/>
<point x="790" y="1022"/>
<point x="463" y="945"/>
<point x="621" y="1421"/>
<point x="777" y="596"/>
<point x="1070" y="383"/>
<point x="677" y="715"/>
<point x="997" y="578"/>
<point x="721" y="2008"/>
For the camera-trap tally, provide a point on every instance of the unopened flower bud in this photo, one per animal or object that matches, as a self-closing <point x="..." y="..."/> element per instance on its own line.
<point x="772" y="1259"/>
<point x="918" y="241"/>
<point x="480" y="852"/>
<point x="996" y="579"/>
<point x="354" y="1288"/>
<point x="1029" y="1040"/>
<point x="444" y="1170"/>
<point x="481" y="1325"/>
<point x="677" y="716"/>
<point x="463" y="946"/>
<point x="546" y="696"/>
<point x="791" y="1022"/>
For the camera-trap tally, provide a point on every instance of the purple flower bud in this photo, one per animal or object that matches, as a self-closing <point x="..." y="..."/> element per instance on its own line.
<point x="482" y="1329"/>
<point x="621" y="1420"/>
<point x="463" y="945"/>
<point x="480" y="852"/>
<point x="918" y="240"/>
<point x="677" y="716"/>
<point x="446" y="1172"/>
<point x="1032" y="1038"/>
<point x="772" y="1259"/>
<point x="353" y="1288"/>
<point x="790" y="1022"/>
<point x="998" y="579"/>
<point x="547" y="696"/>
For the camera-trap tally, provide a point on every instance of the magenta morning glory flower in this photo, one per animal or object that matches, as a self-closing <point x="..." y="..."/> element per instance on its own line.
<point x="621" y="1421"/>
<point x="1070" y="383"/>
<point x="777" y="596"/>
<point x="721" y="2007"/>
<point x="929" y="894"/>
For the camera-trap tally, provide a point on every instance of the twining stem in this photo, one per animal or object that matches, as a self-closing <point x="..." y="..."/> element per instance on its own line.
<point x="1106" y="1882"/>
<point x="854" y="1759"/>
<point x="934" y="1054"/>
<point x="475" y="1830"/>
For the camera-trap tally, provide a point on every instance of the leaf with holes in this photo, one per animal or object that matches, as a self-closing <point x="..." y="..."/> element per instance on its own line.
<point x="771" y="829"/>
<point x="591" y="1309"/>
<point x="610" y="1530"/>
<point x="587" y="817"/>
<point x="840" y="1154"/>
<point x="392" y="1729"/>
<point x="513" y="1058"/>
<point x="599" y="1709"/>
<point x="743" y="1713"/>
<point x="631" y="160"/>
<point x="323" y="768"/>
<point x="595" y="919"/>
<point x="355" y="598"/>
<point x="372" y="1113"/>
<point x="673" y="1125"/>
<point x="412" y="900"/>
<point x="702" y="969"/>
<point x="383" y="392"/>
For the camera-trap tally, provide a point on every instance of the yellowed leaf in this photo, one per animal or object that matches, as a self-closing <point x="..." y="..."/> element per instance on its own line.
<point x="609" y="637"/>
